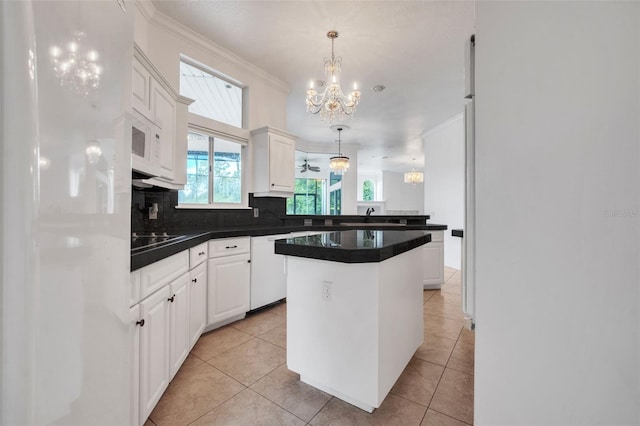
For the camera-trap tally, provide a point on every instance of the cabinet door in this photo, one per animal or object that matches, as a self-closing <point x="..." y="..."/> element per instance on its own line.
<point x="228" y="287"/>
<point x="198" y="305"/>
<point x="141" y="98"/>
<point x="281" y="163"/>
<point x="134" y="336"/>
<point x="164" y="110"/>
<point x="154" y="350"/>
<point x="433" y="264"/>
<point x="179" y="323"/>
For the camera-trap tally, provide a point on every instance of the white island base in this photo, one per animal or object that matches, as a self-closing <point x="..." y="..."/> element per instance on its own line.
<point x="352" y="328"/>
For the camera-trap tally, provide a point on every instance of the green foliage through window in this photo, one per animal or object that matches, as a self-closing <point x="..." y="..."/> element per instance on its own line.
<point x="368" y="191"/>
<point x="307" y="198"/>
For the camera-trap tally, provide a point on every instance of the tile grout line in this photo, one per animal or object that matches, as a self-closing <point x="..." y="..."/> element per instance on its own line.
<point x="451" y="417"/>
<point x="320" y="410"/>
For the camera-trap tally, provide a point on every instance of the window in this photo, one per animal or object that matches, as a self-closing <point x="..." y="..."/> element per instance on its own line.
<point x="368" y="190"/>
<point x="308" y="197"/>
<point x="212" y="179"/>
<point x="215" y="97"/>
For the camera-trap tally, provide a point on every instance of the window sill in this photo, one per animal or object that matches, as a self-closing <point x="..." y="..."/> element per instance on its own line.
<point x="218" y="206"/>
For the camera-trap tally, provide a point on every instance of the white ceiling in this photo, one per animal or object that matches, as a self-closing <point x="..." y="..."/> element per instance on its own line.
<point x="414" y="48"/>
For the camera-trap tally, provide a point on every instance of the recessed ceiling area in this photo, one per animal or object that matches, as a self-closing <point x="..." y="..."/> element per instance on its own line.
<point x="413" y="48"/>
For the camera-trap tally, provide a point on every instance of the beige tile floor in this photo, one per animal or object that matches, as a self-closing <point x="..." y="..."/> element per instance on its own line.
<point x="237" y="375"/>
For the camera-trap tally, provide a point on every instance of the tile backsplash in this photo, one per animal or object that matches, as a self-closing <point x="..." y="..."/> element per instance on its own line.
<point x="172" y="220"/>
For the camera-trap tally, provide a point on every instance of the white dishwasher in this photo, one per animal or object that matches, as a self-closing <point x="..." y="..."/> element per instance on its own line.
<point x="268" y="271"/>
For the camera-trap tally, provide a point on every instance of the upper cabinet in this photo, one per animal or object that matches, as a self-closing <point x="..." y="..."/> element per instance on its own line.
<point x="156" y="100"/>
<point x="274" y="162"/>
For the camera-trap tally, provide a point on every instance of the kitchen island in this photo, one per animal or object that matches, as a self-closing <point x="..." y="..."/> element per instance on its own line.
<point x="354" y="310"/>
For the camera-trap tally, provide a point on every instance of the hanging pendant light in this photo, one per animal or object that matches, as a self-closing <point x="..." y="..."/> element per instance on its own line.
<point x="340" y="163"/>
<point x="413" y="177"/>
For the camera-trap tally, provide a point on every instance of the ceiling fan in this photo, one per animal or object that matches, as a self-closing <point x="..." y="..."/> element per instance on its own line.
<point x="306" y="166"/>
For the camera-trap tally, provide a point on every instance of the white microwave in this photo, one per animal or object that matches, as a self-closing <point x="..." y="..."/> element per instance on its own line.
<point x="145" y="145"/>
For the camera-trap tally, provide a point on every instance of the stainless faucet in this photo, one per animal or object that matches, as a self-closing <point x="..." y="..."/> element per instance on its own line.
<point x="370" y="210"/>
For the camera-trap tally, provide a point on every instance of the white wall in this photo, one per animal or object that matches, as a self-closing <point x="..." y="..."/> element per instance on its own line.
<point x="400" y="196"/>
<point x="558" y="175"/>
<point x="444" y="183"/>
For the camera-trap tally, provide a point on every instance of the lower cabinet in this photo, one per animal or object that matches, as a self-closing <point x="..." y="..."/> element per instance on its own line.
<point x="154" y="350"/>
<point x="228" y="282"/>
<point x="179" y="321"/>
<point x="198" y="305"/>
<point x="164" y="327"/>
<point x="433" y="261"/>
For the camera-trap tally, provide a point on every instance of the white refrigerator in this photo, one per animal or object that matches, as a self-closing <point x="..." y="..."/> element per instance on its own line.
<point x="65" y="190"/>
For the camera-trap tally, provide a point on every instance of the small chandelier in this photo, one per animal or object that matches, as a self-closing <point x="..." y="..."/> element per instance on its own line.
<point x="74" y="67"/>
<point x="413" y="177"/>
<point x="339" y="164"/>
<point x="332" y="104"/>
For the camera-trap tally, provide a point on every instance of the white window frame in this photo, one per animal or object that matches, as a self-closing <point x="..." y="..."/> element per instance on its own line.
<point x="244" y="110"/>
<point x="216" y="129"/>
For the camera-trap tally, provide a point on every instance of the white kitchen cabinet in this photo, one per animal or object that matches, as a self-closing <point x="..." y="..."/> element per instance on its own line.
<point x="154" y="350"/>
<point x="268" y="271"/>
<point x="134" y="335"/>
<point x="228" y="280"/>
<point x="433" y="261"/>
<point x="156" y="99"/>
<point x="179" y="321"/>
<point x="163" y="107"/>
<point x="141" y="88"/>
<point x="198" y="302"/>
<point x="274" y="164"/>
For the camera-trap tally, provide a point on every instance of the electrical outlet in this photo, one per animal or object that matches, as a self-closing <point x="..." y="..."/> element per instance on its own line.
<point x="256" y="212"/>
<point x="327" y="293"/>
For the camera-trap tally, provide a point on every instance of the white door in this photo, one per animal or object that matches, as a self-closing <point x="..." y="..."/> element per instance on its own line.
<point x="179" y="323"/>
<point x="154" y="350"/>
<point x="228" y="287"/>
<point x="198" y="304"/>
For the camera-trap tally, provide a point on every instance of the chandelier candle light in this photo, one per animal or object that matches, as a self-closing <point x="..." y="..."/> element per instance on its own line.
<point x="413" y="177"/>
<point x="332" y="104"/>
<point x="339" y="164"/>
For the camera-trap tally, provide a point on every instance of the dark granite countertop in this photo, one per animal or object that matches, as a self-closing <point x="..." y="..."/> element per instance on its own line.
<point x="144" y="257"/>
<point x="353" y="246"/>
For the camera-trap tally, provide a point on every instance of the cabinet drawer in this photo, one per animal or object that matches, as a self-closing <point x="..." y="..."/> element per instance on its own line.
<point x="229" y="246"/>
<point x="197" y="255"/>
<point x="163" y="272"/>
<point x="437" y="236"/>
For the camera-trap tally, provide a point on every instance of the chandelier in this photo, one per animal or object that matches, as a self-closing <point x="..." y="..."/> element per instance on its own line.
<point x="339" y="164"/>
<point x="413" y="177"/>
<point x="76" y="67"/>
<point x="332" y="104"/>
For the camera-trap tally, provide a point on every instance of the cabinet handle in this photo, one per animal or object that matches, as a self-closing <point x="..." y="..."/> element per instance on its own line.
<point x="195" y="280"/>
<point x="230" y="247"/>
<point x="140" y="323"/>
<point x="273" y="184"/>
<point x="201" y="253"/>
<point x="171" y="298"/>
<point x="249" y="261"/>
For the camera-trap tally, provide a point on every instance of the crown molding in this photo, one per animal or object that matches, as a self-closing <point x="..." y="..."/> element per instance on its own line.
<point x="159" y="19"/>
